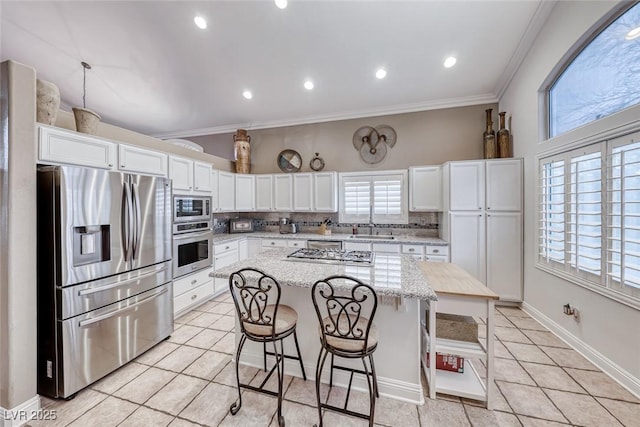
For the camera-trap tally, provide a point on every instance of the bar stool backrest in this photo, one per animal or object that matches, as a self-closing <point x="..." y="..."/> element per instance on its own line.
<point x="345" y="308"/>
<point x="252" y="291"/>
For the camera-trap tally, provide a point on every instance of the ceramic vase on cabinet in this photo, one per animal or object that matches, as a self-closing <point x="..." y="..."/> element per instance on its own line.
<point x="86" y="120"/>
<point x="47" y="102"/>
<point x="242" y="151"/>
<point x="504" y="138"/>
<point x="489" y="138"/>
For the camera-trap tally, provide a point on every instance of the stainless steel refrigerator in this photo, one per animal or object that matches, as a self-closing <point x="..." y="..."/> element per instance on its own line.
<point x="104" y="273"/>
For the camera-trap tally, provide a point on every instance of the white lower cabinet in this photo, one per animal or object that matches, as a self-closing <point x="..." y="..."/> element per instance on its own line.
<point x="386" y="248"/>
<point x="296" y="243"/>
<point x="273" y="243"/>
<point x="191" y="290"/>
<point x="504" y="255"/>
<point x="416" y="251"/>
<point x="357" y="246"/>
<point x="224" y="254"/>
<point x="468" y="242"/>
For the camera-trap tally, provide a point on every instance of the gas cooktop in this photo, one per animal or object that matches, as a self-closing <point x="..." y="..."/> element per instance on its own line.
<point x="333" y="256"/>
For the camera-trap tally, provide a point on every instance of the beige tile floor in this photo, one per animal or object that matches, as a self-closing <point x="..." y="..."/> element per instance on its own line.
<point x="189" y="380"/>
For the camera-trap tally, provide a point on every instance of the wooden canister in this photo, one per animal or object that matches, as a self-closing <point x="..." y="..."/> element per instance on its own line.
<point x="242" y="151"/>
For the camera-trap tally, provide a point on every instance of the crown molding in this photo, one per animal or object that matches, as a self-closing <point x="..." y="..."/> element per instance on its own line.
<point x="524" y="45"/>
<point x="373" y="112"/>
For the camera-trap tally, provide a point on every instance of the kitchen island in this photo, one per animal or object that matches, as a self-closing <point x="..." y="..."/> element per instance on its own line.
<point x="400" y="286"/>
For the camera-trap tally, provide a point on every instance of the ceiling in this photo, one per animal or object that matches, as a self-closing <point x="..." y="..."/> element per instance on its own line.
<point x="155" y="72"/>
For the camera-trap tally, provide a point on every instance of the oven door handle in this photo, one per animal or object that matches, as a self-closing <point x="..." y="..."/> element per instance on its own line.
<point x="85" y="292"/>
<point x="192" y="236"/>
<point x="102" y="317"/>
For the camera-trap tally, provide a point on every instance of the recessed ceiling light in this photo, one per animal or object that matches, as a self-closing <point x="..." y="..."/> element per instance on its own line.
<point x="281" y="4"/>
<point x="381" y="73"/>
<point x="633" y="34"/>
<point x="308" y="85"/>
<point x="247" y="94"/>
<point x="200" y="22"/>
<point x="450" y="62"/>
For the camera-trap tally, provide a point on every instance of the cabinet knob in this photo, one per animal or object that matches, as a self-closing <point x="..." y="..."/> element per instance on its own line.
<point x="411" y="249"/>
<point x="197" y="188"/>
<point x="488" y="207"/>
<point x="110" y="164"/>
<point x="194" y="296"/>
<point x="435" y="251"/>
<point x="194" y="281"/>
<point x="273" y="243"/>
<point x="226" y="247"/>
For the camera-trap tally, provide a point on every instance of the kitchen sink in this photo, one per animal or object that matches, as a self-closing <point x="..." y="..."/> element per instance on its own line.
<point x="371" y="237"/>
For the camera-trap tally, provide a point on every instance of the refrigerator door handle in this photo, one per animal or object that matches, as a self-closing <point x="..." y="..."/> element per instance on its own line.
<point x="128" y="224"/>
<point x="97" y="319"/>
<point x="135" y="197"/>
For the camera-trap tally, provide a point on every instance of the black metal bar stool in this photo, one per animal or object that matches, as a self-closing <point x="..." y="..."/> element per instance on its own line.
<point x="345" y="307"/>
<point x="256" y="296"/>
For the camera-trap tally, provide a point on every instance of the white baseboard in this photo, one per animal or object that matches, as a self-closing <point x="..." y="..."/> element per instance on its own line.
<point x="20" y="414"/>
<point x="610" y="368"/>
<point x="387" y="387"/>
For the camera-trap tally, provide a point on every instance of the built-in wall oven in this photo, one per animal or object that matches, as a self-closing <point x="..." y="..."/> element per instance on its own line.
<point x="192" y="234"/>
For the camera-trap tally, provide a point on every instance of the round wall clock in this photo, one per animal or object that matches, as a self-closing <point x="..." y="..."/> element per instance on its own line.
<point x="289" y="161"/>
<point x="317" y="163"/>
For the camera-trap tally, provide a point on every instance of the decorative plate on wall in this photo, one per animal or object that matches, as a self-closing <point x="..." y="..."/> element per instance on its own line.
<point x="289" y="161"/>
<point x="317" y="163"/>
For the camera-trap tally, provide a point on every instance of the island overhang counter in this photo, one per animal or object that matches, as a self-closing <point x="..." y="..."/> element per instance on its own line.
<point x="400" y="286"/>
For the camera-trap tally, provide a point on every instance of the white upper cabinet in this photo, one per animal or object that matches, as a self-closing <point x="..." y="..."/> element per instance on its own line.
<point x="302" y="192"/>
<point x="245" y="193"/>
<point x="181" y="173"/>
<point x="139" y="160"/>
<point x="504" y="185"/>
<point x="283" y="193"/>
<point x="189" y="175"/>
<point x="202" y="180"/>
<point x="226" y="192"/>
<point x="425" y="188"/>
<point x="264" y="193"/>
<point x="57" y="145"/>
<point x="325" y="192"/>
<point x="466" y="186"/>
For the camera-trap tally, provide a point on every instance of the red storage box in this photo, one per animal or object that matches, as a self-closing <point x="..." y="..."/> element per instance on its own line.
<point x="448" y="362"/>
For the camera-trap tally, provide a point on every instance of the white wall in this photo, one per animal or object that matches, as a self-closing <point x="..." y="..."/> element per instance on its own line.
<point x="607" y="328"/>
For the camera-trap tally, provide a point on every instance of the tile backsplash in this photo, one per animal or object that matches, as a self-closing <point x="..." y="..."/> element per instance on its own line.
<point x="423" y="223"/>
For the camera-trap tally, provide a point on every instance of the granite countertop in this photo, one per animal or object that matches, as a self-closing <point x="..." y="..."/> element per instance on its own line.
<point x="392" y="274"/>
<point x="217" y="238"/>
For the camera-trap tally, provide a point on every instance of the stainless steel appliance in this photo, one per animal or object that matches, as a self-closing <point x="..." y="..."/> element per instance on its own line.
<point x="192" y="209"/>
<point x="104" y="273"/>
<point x="191" y="252"/>
<point x="287" y="227"/>
<point x="333" y="256"/>
<point x="324" y="244"/>
<point x="240" y="225"/>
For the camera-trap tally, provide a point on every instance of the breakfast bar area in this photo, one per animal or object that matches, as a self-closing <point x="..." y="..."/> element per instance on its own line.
<point x="399" y="285"/>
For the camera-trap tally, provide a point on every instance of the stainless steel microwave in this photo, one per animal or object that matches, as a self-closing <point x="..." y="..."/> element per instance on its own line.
<point x="191" y="208"/>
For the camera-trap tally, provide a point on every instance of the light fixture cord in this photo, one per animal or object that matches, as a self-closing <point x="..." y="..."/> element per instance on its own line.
<point x="84" y="86"/>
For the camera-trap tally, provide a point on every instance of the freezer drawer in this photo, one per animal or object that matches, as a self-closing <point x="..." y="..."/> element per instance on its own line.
<point x="89" y="296"/>
<point x="96" y="343"/>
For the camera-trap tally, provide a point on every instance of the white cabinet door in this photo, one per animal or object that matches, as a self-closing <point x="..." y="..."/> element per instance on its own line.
<point x="467" y="244"/>
<point x="139" y="160"/>
<point x="425" y="188"/>
<point x="282" y="193"/>
<point x="297" y="244"/>
<point x="302" y="192"/>
<point x="225" y="259"/>
<point x="504" y="185"/>
<point x="255" y="246"/>
<point x="264" y="193"/>
<point x="181" y="173"/>
<point x="67" y="147"/>
<point x="226" y="192"/>
<point x="504" y="254"/>
<point x="202" y="181"/>
<point x="325" y="194"/>
<point x="243" y="249"/>
<point x="214" y="190"/>
<point x="386" y="248"/>
<point x="245" y="193"/>
<point x="466" y="186"/>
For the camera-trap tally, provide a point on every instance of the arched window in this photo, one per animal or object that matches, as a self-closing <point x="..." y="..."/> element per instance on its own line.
<point x="602" y="79"/>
